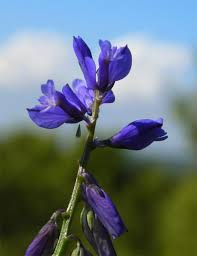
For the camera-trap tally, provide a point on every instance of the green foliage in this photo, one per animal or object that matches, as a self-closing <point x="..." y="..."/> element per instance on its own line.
<point x="178" y="222"/>
<point x="37" y="176"/>
<point x="186" y="111"/>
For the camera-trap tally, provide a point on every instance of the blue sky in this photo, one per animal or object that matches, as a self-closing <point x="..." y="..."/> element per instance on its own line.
<point x="166" y="20"/>
<point x="35" y="45"/>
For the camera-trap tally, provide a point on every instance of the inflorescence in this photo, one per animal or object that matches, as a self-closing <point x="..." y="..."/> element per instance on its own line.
<point x="100" y="220"/>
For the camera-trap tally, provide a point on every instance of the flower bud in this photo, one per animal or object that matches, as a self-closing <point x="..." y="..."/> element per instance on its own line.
<point x="96" y="234"/>
<point x="103" y="207"/>
<point x="136" y="135"/>
<point x="44" y="243"/>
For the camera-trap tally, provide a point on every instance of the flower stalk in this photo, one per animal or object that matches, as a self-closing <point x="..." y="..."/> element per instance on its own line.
<point x="63" y="241"/>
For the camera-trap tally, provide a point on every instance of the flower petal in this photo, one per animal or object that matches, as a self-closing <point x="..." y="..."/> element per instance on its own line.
<point x="85" y="95"/>
<point x="109" y="97"/>
<point x="85" y="60"/>
<point x="51" y="117"/>
<point x="138" y="135"/>
<point x="104" y="208"/>
<point x="44" y="100"/>
<point x="114" y="64"/>
<point x="43" y="243"/>
<point x="103" y="71"/>
<point x="120" y="65"/>
<point x="73" y="99"/>
<point x="48" y="89"/>
<point x="81" y="49"/>
<point x="89" y="71"/>
<point x="105" y="48"/>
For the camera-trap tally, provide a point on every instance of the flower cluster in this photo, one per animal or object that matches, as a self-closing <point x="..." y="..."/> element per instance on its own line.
<point x="114" y="64"/>
<point x="68" y="106"/>
<point x="74" y="105"/>
<point x="100" y="219"/>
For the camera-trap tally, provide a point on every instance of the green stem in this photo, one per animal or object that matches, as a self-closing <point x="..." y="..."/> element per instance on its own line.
<point x="63" y="242"/>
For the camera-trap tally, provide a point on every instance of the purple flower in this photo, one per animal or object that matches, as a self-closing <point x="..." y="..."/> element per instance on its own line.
<point x="57" y="108"/>
<point x="114" y="64"/>
<point x="86" y="95"/>
<point x="43" y="244"/>
<point x="137" y="135"/>
<point x="103" y="207"/>
<point x="96" y="234"/>
<point x="85" y="60"/>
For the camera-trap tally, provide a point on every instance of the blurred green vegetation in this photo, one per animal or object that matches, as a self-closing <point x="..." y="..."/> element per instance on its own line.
<point x="157" y="202"/>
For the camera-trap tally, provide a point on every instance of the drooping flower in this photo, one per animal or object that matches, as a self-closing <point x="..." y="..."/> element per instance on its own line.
<point x="43" y="244"/>
<point x="103" y="207"/>
<point x="114" y="64"/>
<point x="137" y="135"/>
<point x="57" y="108"/>
<point x="96" y="234"/>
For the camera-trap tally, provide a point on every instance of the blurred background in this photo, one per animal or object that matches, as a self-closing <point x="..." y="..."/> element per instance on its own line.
<point x="155" y="189"/>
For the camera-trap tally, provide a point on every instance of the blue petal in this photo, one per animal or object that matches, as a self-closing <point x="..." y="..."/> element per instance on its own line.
<point x="146" y="124"/>
<point x="89" y="71"/>
<point x="138" y="134"/>
<point x="114" y="64"/>
<point x="85" y="95"/>
<point x="43" y="243"/>
<point x="50" y="117"/>
<point x="105" y="48"/>
<point x="109" y="97"/>
<point x="48" y="89"/>
<point x="85" y="60"/>
<point x="44" y="100"/>
<point x="104" y="208"/>
<point x="57" y="108"/>
<point x="81" y="49"/>
<point x="103" y="66"/>
<point x="120" y="65"/>
<point x="72" y="98"/>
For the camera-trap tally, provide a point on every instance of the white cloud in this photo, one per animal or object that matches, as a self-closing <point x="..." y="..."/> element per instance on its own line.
<point x="155" y="63"/>
<point x="31" y="58"/>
